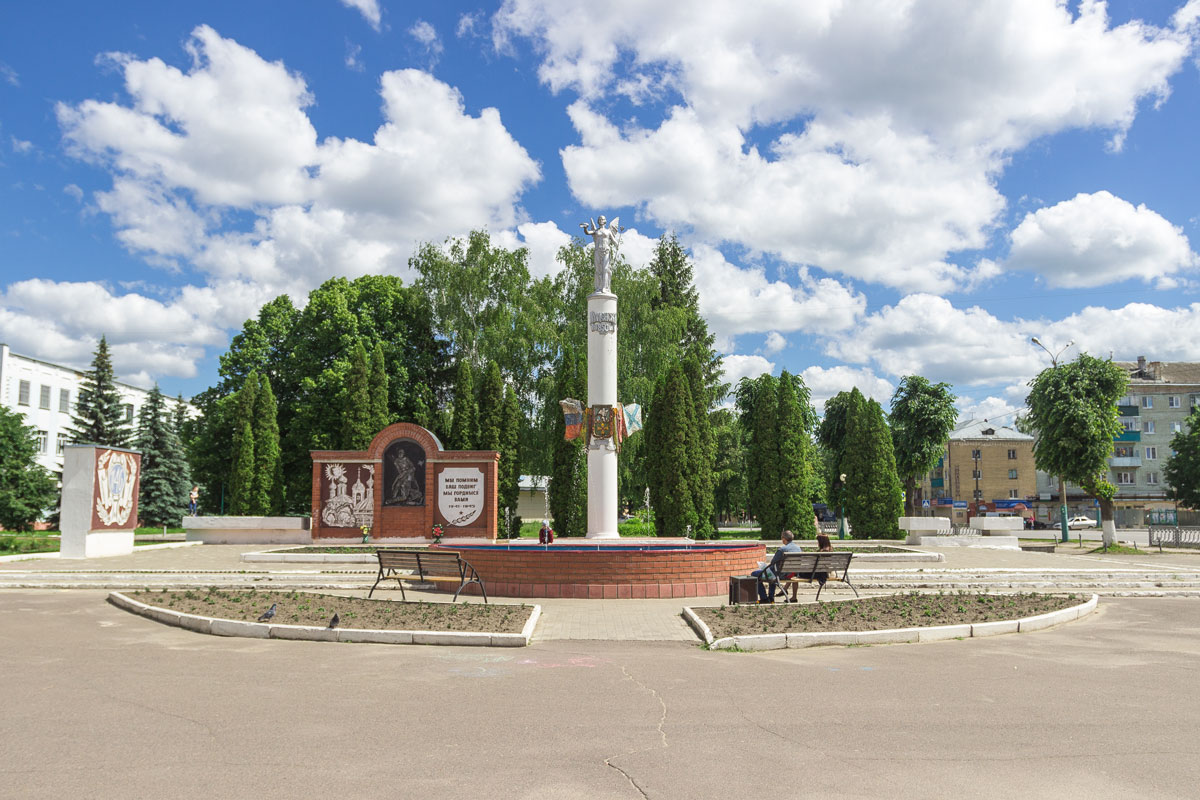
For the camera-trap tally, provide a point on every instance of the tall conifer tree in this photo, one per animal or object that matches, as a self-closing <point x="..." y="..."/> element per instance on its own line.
<point x="358" y="415"/>
<point x="670" y="456"/>
<point x="491" y="409"/>
<point x="568" y="476"/>
<point x="99" y="416"/>
<point x="380" y="416"/>
<point x="873" y="502"/>
<point x="241" y="477"/>
<point x="794" y="467"/>
<point x="510" y="461"/>
<point x="702" y="449"/>
<point x="267" y="495"/>
<point x="464" y="427"/>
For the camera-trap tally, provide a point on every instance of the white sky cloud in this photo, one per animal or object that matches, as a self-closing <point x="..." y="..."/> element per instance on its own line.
<point x="774" y="343"/>
<point x="825" y="382"/>
<point x="1097" y="239"/>
<point x="876" y="164"/>
<point x="741" y="366"/>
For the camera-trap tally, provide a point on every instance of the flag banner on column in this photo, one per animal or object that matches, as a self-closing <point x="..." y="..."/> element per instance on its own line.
<point x="573" y="417"/>
<point x="632" y="414"/>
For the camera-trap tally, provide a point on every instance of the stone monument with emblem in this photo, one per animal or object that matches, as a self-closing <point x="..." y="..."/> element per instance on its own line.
<point x="99" y="500"/>
<point x="602" y="383"/>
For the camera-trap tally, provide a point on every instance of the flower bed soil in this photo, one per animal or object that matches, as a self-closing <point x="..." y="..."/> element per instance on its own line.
<point x="912" y="610"/>
<point x="309" y="608"/>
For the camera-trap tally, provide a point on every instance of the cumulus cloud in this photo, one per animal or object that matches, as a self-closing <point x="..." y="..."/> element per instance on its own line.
<point x="21" y="146"/>
<point x="737" y="367"/>
<point x="1097" y="239"/>
<point x="218" y="169"/>
<point x="368" y="8"/>
<point x="738" y="300"/>
<point x="825" y="382"/>
<point x="774" y="342"/>
<point x="878" y="166"/>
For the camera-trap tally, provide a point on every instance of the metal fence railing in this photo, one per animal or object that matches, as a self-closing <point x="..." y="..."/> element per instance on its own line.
<point x="1172" y="536"/>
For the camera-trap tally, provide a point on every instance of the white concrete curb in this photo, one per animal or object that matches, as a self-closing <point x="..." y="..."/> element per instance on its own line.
<point x="779" y="641"/>
<point x="311" y="633"/>
<point x="136" y="549"/>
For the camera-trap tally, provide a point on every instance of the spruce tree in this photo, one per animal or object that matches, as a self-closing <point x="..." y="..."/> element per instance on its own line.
<point x="160" y="501"/>
<point x="491" y="409"/>
<point x="670" y="457"/>
<point x="380" y="417"/>
<point x="873" y="503"/>
<point x="26" y="488"/>
<point x="180" y="427"/>
<point x="267" y="495"/>
<point x="241" y="477"/>
<point x="99" y="416"/>
<point x="510" y="462"/>
<point x="568" y="472"/>
<point x="464" y="427"/>
<point x="358" y="415"/>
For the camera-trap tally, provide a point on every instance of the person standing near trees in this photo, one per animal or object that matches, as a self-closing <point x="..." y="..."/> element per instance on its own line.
<point x="193" y="500"/>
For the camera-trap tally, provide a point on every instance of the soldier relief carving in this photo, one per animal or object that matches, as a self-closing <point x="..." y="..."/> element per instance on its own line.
<point x="404" y="474"/>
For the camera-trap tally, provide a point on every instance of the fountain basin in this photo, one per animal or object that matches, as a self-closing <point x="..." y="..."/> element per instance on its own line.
<point x="610" y="569"/>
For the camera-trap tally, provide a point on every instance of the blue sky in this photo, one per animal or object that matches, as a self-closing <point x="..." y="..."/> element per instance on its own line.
<point x="868" y="189"/>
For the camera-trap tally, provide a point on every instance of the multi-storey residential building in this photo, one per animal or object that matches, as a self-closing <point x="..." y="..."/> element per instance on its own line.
<point x="45" y="394"/>
<point x="1160" y="397"/>
<point x="985" y="467"/>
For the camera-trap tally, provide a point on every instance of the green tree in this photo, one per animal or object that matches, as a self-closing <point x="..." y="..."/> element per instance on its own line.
<point x="1073" y="408"/>
<point x="568" y="476"/>
<point x="160" y="501"/>
<point x="510" y="461"/>
<point x="757" y="401"/>
<point x="702" y="449"/>
<point x="672" y="270"/>
<point x="99" y="416"/>
<point x="922" y="417"/>
<point x="357" y="403"/>
<point x="729" y="471"/>
<point x="794" y="456"/>
<point x="491" y="409"/>
<point x="380" y="416"/>
<point x="670" y="457"/>
<point x="241" y="478"/>
<point x="1182" y="470"/>
<point x="26" y="488"/>
<point x="872" y="487"/>
<point x="267" y="494"/>
<point x="464" y="427"/>
<point x="181" y="426"/>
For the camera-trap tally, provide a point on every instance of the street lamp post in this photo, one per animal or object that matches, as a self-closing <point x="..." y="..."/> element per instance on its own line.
<point x="842" y="520"/>
<point x="1062" y="484"/>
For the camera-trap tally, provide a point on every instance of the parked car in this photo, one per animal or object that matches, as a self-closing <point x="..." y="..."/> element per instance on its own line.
<point x="1075" y="523"/>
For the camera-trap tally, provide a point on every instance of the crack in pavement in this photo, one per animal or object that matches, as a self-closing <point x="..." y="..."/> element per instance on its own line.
<point x="662" y="721"/>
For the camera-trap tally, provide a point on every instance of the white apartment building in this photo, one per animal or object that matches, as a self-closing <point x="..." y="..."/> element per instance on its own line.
<point x="45" y="394"/>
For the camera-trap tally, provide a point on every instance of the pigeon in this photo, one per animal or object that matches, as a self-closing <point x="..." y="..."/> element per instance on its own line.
<point x="268" y="614"/>
<point x="333" y="622"/>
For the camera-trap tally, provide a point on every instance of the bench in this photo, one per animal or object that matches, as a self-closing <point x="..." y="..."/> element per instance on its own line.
<point x="426" y="566"/>
<point x="803" y="567"/>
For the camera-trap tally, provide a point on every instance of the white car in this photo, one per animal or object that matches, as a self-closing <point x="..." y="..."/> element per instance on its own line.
<point x="1081" y="522"/>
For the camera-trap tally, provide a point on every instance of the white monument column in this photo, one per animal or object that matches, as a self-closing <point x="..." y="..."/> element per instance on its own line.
<point x="602" y="393"/>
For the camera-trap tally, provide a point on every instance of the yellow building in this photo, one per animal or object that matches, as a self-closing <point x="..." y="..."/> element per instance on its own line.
<point x="984" y="468"/>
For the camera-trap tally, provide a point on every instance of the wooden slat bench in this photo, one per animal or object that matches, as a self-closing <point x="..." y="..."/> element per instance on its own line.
<point x="426" y="566"/>
<point x="804" y="566"/>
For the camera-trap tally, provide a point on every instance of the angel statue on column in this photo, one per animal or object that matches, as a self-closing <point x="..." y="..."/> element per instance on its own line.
<point x="605" y="239"/>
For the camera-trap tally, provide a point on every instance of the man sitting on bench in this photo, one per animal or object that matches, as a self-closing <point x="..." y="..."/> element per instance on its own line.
<point x="766" y="574"/>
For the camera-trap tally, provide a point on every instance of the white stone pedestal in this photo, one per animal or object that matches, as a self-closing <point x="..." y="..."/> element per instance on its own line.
<point x="602" y="391"/>
<point x="82" y="535"/>
<point x="918" y="527"/>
